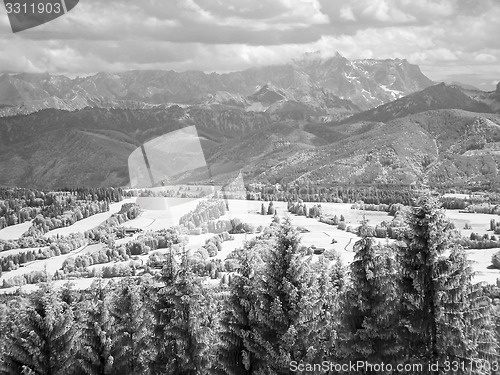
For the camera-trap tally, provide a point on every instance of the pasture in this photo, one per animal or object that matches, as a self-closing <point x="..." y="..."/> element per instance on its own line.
<point x="167" y="214"/>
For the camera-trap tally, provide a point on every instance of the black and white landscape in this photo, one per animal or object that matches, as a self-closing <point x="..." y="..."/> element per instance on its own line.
<point x="236" y="187"/>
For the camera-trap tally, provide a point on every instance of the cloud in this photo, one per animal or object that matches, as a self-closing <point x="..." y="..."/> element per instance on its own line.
<point x="436" y="54"/>
<point x="443" y="36"/>
<point x="385" y="11"/>
<point x="485" y="57"/>
<point x="347" y="14"/>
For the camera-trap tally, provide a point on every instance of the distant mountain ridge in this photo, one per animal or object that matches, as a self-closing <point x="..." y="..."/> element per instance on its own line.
<point x="440" y="96"/>
<point x="326" y="85"/>
<point x="51" y="149"/>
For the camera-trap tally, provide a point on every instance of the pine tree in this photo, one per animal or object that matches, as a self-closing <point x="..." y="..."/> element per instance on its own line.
<point x="427" y="239"/>
<point x="370" y="306"/>
<point x="44" y="337"/>
<point x="96" y="354"/>
<point x="184" y="325"/>
<point x="162" y="317"/>
<point x="440" y="314"/>
<point x="466" y="332"/>
<point x="133" y="322"/>
<point x="281" y="298"/>
<point x="262" y="209"/>
<point x="233" y="355"/>
<point x="270" y="208"/>
<point x="320" y="311"/>
<point x="481" y="318"/>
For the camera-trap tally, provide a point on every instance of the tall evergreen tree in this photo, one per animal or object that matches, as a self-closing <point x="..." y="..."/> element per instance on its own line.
<point x="282" y="295"/>
<point x="426" y="240"/>
<point x="233" y="355"/>
<point x="133" y="323"/>
<point x="96" y="354"/>
<point x="320" y="311"/>
<point x="184" y="326"/>
<point x="162" y="308"/>
<point x="370" y="306"/>
<point x="465" y="326"/>
<point x="441" y="317"/>
<point x="44" y="337"/>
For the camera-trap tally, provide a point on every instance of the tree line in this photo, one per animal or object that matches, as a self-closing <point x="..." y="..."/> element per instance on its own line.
<point x="19" y="205"/>
<point x="334" y="194"/>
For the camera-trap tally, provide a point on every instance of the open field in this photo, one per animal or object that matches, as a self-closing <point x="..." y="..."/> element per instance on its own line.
<point x="15" y="231"/>
<point x="480" y="262"/>
<point x="165" y="213"/>
<point x="79" y="284"/>
<point x="169" y="211"/>
<point x="480" y="223"/>
<point x="50" y="265"/>
<point x="89" y="222"/>
<point x="6" y="253"/>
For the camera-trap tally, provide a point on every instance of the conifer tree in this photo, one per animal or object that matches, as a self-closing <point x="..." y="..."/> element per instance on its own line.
<point x="281" y="297"/>
<point x="161" y="309"/>
<point x="466" y="331"/>
<point x="426" y="240"/>
<point x="44" y="337"/>
<point x="441" y="313"/>
<point x="96" y="354"/>
<point x="233" y="356"/>
<point x="320" y="311"/>
<point x="270" y="208"/>
<point x="184" y="325"/>
<point x="481" y="317"/>
<point x="132" y="332"/>
<point x="370" y="306"/>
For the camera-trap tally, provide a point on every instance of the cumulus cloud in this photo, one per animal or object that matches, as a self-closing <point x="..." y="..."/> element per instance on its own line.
<point x="347" y="14"/>
<point x="384" y="11"/>
<point x="485" y="57"/>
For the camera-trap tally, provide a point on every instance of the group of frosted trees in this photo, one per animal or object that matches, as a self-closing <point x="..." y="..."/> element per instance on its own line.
<point x="59" y="331"/>
<point x="413" y="303"/>
<point x="20" y="205"/>
<point x="205" y="211"/>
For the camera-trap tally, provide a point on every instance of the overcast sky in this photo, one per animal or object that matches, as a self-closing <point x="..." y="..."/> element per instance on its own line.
<point x="449" y="39"/>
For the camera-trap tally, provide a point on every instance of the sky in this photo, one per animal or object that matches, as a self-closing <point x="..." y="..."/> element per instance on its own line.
<point x="451" y="40"/>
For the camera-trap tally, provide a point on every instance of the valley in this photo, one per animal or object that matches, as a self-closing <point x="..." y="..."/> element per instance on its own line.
<point x="439" y="136"/>
<point x="314" y="234"/>
<point x="319" y="124"/>
<point x="249" y="188"/>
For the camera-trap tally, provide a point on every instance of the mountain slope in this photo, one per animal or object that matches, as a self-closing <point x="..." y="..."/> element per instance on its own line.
<point x="451" y="147"/>
<point x="491" y="99"/>
<point x="90" y="147"/>
<point x="51" y="148"/>
<point x="368" y="83"/>
<point x="435" y="97"/>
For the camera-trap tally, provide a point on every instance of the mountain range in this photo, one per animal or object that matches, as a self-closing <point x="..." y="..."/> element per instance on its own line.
<point x="314" y="120"/>
<point x="325" y="86"/>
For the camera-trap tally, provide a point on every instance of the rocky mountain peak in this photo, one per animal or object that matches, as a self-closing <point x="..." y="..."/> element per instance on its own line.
<point x="498" y="88"/>
<point x="315" y="79"/>
<point x="268" y="93"/>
